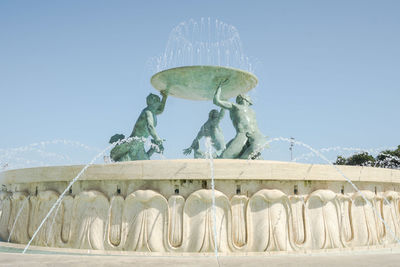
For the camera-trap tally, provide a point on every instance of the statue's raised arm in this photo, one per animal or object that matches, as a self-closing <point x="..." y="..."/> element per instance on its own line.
<point x="219" y="102"/>
<point x="163" y="101"/>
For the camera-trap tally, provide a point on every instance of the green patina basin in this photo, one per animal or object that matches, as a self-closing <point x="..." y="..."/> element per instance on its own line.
<point x="200" y="82"/>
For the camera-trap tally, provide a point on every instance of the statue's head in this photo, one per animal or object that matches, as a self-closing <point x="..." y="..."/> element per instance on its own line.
<point x="153" y="99"/>
<point x="116" y="138"/>
<point x="243" y="97"/>
<point x="213" y="114"/>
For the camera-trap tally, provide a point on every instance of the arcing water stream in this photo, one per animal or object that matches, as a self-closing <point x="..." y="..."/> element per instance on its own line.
<point x="38" y="154"/>
<point x="346" y="151"/>
<point x="214" y="209"/>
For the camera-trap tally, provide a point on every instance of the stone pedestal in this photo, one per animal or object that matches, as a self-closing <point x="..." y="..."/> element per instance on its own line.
<point x="166" y="206"/>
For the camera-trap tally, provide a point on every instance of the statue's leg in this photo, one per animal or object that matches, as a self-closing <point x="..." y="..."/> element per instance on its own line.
<point x="137" y="151"/>
<point x="219" y="145"/>
<point x="142" y="154"/>
<point x="218" y="153"/>
<point x="119" y="152"/>
<point x="257" y="145"/>
<point x="198" y="154"/>
<point x="250" y="153"/>
<point x="235" y="146"/>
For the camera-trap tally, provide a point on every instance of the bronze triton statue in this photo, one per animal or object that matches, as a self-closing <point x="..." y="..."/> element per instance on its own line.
<point x="249" y="141"/>
<point x="212" y="130"/>
<point x="144" y="127"/>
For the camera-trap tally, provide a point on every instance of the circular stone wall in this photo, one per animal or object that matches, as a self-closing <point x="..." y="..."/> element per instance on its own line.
<point x="166" y="206"/>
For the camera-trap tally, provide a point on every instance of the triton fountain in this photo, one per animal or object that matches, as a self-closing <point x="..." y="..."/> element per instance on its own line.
<point x="226" y="200"/>
<point x="169" y="206"/>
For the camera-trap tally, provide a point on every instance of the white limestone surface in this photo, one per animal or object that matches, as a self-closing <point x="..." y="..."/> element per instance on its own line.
<point x="165" y="206"/>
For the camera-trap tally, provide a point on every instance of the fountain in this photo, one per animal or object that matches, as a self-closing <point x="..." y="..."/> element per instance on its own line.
<point x="169" y="206"/>
<point x="236" y="203"/>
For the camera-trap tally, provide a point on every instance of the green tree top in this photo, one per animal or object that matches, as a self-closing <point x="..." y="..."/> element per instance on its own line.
<point x="385" y="159"/>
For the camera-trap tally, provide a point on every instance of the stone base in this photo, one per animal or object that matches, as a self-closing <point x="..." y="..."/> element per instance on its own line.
<point x="39" y="256"/>
<point x="166" y="207"/>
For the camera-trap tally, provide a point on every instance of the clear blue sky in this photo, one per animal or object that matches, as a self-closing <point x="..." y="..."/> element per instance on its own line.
<point x="329" y="72"/>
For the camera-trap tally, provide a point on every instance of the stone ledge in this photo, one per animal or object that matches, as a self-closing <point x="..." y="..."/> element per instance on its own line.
<point x="199" y="169"/>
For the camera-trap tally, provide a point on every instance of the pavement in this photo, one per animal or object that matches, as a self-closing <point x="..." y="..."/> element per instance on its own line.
<point x="366" y="257"/>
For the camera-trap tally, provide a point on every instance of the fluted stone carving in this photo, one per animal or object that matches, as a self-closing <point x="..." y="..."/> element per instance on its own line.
<point x="323" y="220"/>
<point x="269" y="210"/>
<point x="365" y="218"/>
<point x="40" y="206"/>
<point x="88" y="219"/>
<point x="19" y="218"/>
<point x="112" y="233"/>
<point x="4" y="214"/>
<point x="390" y="211"/>
<point x="176" y="204"/>
<point x="298" y="234"/>
<point x="67" y="206"/>
<point x="145" y="220"/>
<point x="239" y="222"/>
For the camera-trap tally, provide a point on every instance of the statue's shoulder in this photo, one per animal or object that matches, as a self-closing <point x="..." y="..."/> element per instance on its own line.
<point x="236" y="107"/>
<point x="146" y="112"/>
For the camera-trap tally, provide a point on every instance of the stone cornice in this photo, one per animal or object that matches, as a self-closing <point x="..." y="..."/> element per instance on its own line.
<point x="199" y="169"/>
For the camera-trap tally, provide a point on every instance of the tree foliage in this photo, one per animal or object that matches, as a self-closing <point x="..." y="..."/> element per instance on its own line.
<point x="389" y="159"/>
<point x="359" y="159"/>
<point x="385" y="159"/>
